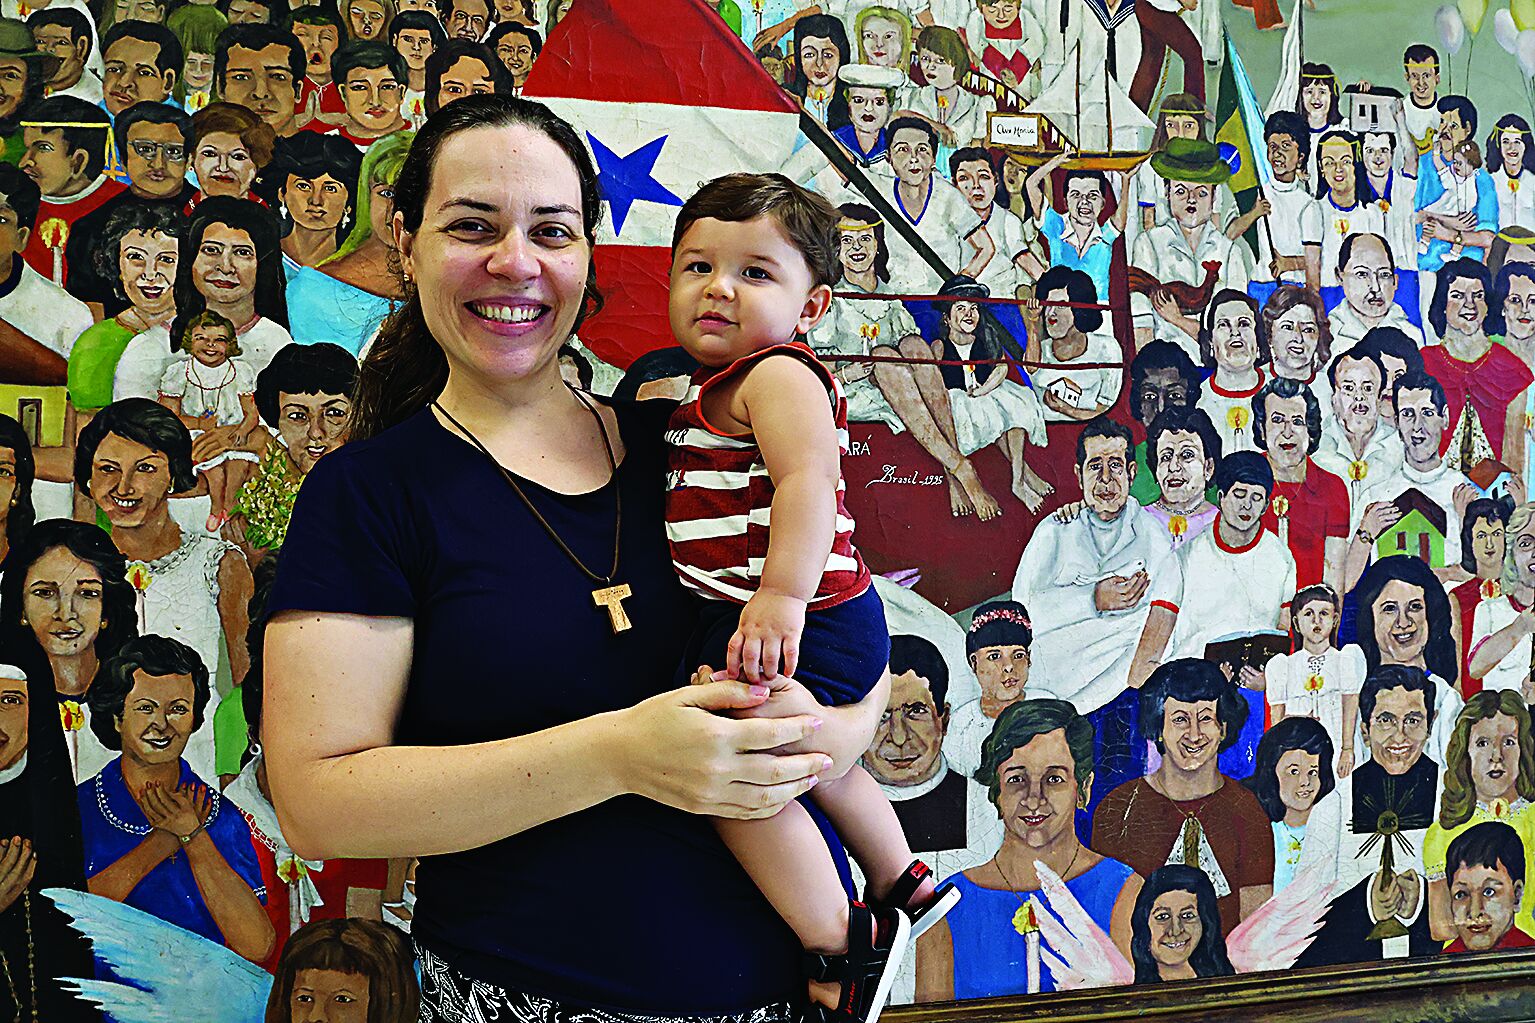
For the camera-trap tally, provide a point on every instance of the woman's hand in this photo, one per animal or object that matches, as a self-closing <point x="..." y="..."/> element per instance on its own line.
<point x="180" y="811"/>
<point x="17" y="865"/>
<point x="679" y="749"/>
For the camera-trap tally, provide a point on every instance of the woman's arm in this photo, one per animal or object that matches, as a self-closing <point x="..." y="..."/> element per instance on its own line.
<point x="935" y="964"/>
<point x="1124" y="906"/>
<point x="117" y="881"/>
<point x="335" y="684"/>
<point x="236" y="910"/>
<point x="993" y="380"/>
<point x="1489" y="653"/>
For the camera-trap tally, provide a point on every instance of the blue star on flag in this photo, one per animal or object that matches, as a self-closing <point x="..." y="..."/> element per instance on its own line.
<point x="625" y="180"/>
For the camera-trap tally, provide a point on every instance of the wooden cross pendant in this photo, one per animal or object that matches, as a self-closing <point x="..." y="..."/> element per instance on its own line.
<point x="612" y="597"/>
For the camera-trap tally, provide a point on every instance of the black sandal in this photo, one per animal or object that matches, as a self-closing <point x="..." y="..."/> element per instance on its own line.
<point x="900" y="895"/>
<point x="867" y="972"/>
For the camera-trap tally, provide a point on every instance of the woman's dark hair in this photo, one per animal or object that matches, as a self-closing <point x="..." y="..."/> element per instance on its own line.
<point x="1209" y="957"/>
<point x="145" y="422"/>
<point x="353" y="945"/>
<point x="1392" y="341"/>
<point x="22" y="513"/>
<point x="1500" y="282"/>
<point x="975" y="154"/>
<point x="824" y="26"/>
<point x="1207" y="325"/>
<point x="512" y="28"/>
<point x="1284" y="388"/>
<point x="1080" y="291"/>
<point x="857" y="211"/>
<point x="153" y="655"/>
<point x="1491" y="508"/>
<point x="1319" y="73"/>
<point x="451" y="52"/>
<point x="321" y="368"/>
<point x="1313" y="594"/>
<point x="1458" y="801"/>
<point x="1191" y="680"/>
<point x="1292" y="125"/>
<point x="1364" y="194"/>
<point x="91" y="544"/>
<point x="418" y="21"/>
<point x="258" y="222"/>
<point x="1157" y="355"/>
<point x="999" y="623"/>
<point x="1470" y="269"/>
<point x="306" y="156"/>
<point x="1494" y="151"/>
<point x="406" y="368"/>
<point x="1439" y="654"/>
<point x="147" y="218"/>
<point x="1020" y="724"/>
<point x="1293" y="733"/>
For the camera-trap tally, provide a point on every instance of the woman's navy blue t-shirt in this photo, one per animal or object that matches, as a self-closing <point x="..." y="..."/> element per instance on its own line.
<point x="629" y="905"/>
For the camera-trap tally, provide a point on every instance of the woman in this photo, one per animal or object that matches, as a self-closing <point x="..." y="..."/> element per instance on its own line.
<point x="138" y="254"/>
<point x="1510" y="153"/>
<point x="41" y="850"/>
<point x="230" y="147"/>
<point x="958" y="115"/>
<point x="1234" y="344"/>
<point x="460" y="68"/>
<point x="1348" y="203"/>
<point x="1482" y="536"/>
<point x="1065" y="331"/>
<point x="345" y="296"/>
<point x="516" y="47"/>
<point x="1299" y="339"/>
<point x="1404" y="618"/>
<point x="312" y="182"/>
<point x="416" y="35"/>
<point x="1475" y="372"/>
<point x="361" y="967"/>
<point x="132" y="457"/>
<point x="1176" y="929"/>
<point x="1318" y="102"/>
<point x="18" y="471"/>
<point x="1489" y="776"/>
<point x="367" y="20"/>
<point x="884" y="38"/>
<point x="820" y="50"/>
<point x="230" y="263"/>
<point x="156" y="837"/>
<point x="65" y="609"/>
<point x="989" y="407"/>
<point x="1292" y="779"/>
<point x="197" y="28"/>
<point x="304" y="396"/>
<point x="1038" y="767"/>
<point x="515" y="796"/>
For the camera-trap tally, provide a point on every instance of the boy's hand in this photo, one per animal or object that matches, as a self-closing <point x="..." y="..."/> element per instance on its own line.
<point x="767" y="640"/>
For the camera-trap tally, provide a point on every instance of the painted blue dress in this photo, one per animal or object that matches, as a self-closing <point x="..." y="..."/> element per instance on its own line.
<point x="990" y="957"/>
<point x="112" y="825"/>
<point x="321" y="308"/>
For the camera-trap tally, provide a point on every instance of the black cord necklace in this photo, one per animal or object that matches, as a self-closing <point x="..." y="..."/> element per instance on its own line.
<point x="607" y="595"/>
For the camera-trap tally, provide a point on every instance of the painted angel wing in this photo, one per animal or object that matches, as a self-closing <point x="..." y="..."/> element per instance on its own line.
<point x="1077" y="951"/>
<point x="170" y="973"/>
<point x="1278" y="931"/>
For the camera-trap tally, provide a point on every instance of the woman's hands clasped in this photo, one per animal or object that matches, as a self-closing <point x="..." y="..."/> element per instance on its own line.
<point x="681" y="749"/>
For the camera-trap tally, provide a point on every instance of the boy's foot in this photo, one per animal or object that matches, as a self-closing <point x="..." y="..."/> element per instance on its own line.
<point x="919" y="897"/>
<point x="877" y="943"/>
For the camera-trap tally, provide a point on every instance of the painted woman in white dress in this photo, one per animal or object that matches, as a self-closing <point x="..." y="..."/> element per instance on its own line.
<point x="989" y="408"/>
<point x="230" y="263"/>
<point x="1510" y="156"/>
<point x="194" y="587"/>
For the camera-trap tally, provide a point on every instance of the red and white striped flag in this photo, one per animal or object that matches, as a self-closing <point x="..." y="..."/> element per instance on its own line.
<point x="666" y="97"/>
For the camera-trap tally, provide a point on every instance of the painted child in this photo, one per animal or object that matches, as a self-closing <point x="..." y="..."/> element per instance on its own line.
<point x="757" y="439"/>
<point x="997" y="645"/>
<point x="1318" y="680"/>
<point x="1459" y="180"/>
<point x="1485" y="865"/>
<point x="210" y="388"/>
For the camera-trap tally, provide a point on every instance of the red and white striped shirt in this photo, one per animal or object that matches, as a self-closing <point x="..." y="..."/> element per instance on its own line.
<point x="720" y="496"/>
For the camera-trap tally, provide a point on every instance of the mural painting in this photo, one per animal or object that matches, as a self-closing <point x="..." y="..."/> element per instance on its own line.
<point x="1183" y="353"/>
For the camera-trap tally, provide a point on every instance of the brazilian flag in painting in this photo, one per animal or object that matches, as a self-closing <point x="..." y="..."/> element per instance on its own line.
<point x="1239" y="133"/>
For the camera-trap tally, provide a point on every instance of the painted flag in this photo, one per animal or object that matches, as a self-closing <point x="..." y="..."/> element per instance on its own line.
<point x="1291" y="54"/>
<point x="1239" y="132"/>
<point x="666" y="98"/>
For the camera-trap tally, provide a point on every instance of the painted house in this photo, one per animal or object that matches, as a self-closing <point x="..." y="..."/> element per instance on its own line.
<point x="1419" y="532"/>
<point x="1491" y="478"/>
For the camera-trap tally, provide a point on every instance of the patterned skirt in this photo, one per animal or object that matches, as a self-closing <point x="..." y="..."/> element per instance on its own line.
<point x="449" y="996"/>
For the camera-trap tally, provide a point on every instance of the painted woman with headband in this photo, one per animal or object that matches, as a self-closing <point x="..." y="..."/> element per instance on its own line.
<point x="1509" y="157"/>
<point x="1318" y="103"/>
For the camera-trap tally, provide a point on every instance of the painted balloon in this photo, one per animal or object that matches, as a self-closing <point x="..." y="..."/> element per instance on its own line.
<point x="1473" y="11"/>
<point x="1523" y="13"/>
<point x="1525" y="51"/>
<point x="1452" y="30"/>
<point x="1505" y="30"/>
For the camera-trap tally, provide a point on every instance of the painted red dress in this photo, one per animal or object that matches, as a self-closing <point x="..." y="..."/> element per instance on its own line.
<point x="1489" y="385"/>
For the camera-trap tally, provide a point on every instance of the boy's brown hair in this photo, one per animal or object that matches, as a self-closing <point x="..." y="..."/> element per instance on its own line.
<point x="809" y="220"/>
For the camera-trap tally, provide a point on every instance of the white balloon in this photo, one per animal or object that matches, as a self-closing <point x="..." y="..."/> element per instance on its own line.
<point x="1452" y="28"/>
<point x="1505" y="31"/>
<point x="1525" y="50"/>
